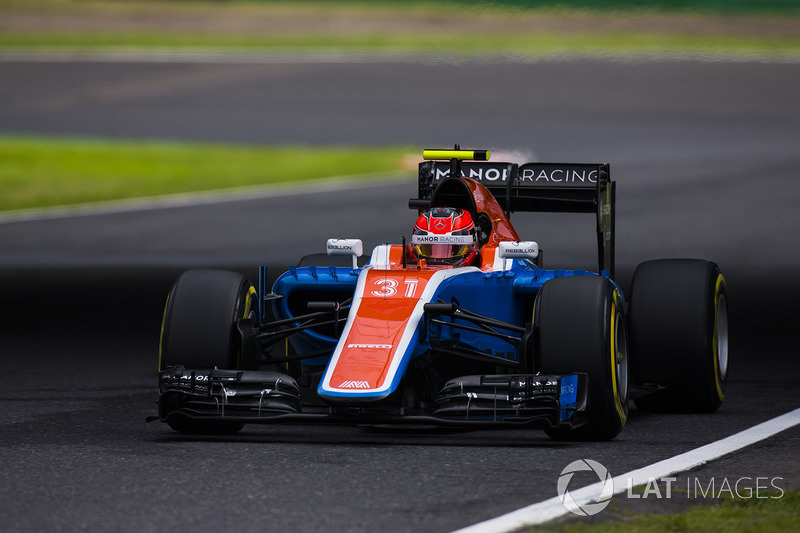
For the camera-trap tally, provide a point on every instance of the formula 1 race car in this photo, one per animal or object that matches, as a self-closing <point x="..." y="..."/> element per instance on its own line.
<point x="459" y="326"/>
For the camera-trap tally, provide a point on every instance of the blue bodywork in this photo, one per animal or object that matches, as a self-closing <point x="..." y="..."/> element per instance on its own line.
<point x="505" y="296"/>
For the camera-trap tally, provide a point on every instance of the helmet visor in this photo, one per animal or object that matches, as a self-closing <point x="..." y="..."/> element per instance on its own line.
<point x="442" y="246"/>
<point x="441" y="251"/>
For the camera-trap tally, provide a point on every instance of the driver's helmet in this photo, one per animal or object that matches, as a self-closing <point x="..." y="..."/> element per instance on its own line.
<point x="445" y="236"/>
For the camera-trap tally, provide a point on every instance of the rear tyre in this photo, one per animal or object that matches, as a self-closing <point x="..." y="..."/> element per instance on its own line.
<point x="579" y="326"/>
<point x="198" y="330"/>
<point x="679" y="334"/>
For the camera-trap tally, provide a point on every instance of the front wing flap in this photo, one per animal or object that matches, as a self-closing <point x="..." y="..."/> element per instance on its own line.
<point x="229" y="394"/>
<point x="508" y="397"/>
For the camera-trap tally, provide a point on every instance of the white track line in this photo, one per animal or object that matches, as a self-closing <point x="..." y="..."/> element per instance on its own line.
<point x="551" y="509"/>
<point x="205" y="198"/>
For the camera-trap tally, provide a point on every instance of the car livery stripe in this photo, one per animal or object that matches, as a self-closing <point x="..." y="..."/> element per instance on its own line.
<point x="372" y="355"/>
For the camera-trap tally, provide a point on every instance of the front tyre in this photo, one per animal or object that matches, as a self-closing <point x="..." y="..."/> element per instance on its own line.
<point x="198" y="328"/>
<point x="579" y="326"/>
<point x="679" y="334"/>
<point x="198" y="331"/>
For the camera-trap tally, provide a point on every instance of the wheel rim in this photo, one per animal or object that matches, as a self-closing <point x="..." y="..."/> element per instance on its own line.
<point x="721" y="334"/>
<point x="621" y="357"/>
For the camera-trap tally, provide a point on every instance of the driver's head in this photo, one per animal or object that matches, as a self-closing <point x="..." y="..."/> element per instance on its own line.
<point x="445" y="236"/>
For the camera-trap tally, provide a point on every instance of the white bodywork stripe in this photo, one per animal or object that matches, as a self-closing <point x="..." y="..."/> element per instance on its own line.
<point x="416" y="315"/>
<point x="380" y="256"/>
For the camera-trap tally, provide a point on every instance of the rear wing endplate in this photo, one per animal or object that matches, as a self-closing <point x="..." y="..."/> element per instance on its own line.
<point x="538" y="187"/>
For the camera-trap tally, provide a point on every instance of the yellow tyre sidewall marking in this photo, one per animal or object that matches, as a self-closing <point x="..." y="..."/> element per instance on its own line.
<point x="251" y="294"/>
<point x="617" y="400"/>
<point x="248" y="302"/>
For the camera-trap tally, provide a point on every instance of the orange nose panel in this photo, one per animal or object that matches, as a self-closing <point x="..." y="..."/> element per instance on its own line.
<point x="384" y="315"/>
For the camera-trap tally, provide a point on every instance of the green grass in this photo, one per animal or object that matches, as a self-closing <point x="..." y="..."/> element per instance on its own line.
<point x="730" y="515"/>
<point x="42" y="172"/>
<point x="488" y="43"/>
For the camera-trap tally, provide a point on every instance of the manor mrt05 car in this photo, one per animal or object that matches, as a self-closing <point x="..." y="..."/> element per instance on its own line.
<point x="460" y="324"/>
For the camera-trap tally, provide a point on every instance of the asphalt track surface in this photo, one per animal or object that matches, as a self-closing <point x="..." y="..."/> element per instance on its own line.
<point x="705" y="155"/>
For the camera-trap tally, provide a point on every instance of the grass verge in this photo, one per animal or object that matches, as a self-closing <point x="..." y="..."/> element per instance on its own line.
<point x="522" y="44"/>
<point x="735" y="515"/>
<point x="45" y="172"/>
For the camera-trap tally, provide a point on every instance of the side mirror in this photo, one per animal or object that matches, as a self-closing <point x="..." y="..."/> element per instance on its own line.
<point x="346" y="247"/>
<point x="518" y="250"/>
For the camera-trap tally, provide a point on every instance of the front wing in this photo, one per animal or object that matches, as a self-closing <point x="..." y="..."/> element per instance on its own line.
<point x="538" y="400"/>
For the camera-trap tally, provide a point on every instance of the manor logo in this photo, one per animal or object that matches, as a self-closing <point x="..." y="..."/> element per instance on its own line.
<point x="354" y="385"/>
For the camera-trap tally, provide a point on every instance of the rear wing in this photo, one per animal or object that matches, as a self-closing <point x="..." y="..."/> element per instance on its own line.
<point x="536" y="187"/>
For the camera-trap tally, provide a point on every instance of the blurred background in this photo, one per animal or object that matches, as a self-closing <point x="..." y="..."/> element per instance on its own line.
<point x="142" y="138"/>
<point x="150" y="108"/>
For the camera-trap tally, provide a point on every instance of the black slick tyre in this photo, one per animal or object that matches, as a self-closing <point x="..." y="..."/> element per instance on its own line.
<point x="679" y="335"/>
<point x="198" y="330"/>
<point x="199" y="319"/>
<point x="580" y="326"/>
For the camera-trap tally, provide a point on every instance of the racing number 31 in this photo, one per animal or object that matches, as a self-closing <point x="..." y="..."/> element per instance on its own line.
<point x="387" y="287"/>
